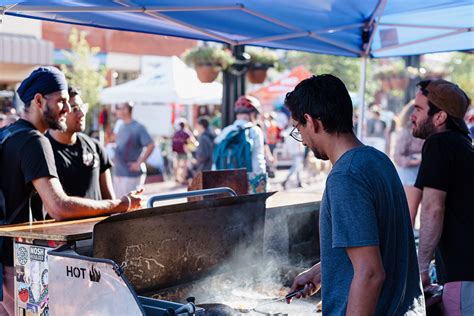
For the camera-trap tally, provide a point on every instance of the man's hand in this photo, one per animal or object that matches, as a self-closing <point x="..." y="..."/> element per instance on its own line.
<point x="425" y="279"/>
<point x="136" y="199"/>
<point x="309" y="281"/>
<point x="135" y="166"/>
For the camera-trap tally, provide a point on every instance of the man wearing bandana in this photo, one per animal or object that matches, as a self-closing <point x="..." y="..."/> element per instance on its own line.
<point x="27" y="165"/>
<point x="83" y="165"/>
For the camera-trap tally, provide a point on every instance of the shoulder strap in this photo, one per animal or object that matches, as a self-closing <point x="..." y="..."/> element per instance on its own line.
<point x="7" y="133"/>
<point x="19" y="208"/>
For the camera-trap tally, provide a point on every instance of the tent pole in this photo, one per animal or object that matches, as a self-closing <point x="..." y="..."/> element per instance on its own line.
<point x="363" y="74"/>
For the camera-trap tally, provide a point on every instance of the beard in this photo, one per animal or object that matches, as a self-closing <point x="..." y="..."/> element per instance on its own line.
<point x="424" y="129"/>
<point x="53" y="121"/>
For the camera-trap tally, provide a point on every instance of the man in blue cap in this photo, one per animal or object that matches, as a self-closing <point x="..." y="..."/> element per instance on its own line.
<point x="27" y="165"/>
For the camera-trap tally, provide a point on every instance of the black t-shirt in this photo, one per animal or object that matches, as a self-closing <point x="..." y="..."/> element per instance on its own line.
<point x="80" y="165"/>
<point x="25" y="157"/>
<point x="448" y="165"/>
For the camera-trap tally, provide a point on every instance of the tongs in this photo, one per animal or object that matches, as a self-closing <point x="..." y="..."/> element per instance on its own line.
<point x="274" y="300"/>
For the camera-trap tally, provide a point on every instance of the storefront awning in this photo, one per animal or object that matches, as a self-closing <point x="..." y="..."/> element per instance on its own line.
<point x="25" y="50"/>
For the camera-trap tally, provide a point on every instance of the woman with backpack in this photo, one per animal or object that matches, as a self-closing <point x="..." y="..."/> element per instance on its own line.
<point x="241" y="145"/>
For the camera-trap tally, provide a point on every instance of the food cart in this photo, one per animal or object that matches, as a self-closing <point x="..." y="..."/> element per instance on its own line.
<point x="153" y="261"/>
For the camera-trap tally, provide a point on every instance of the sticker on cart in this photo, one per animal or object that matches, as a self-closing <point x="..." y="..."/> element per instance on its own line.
<point x="23" y="294"/>
<point x="37" y="254"/>
<point x="44" y="278"/>
<point x="45" y="312"/>
<point x="22" y="255"/>
<point x="32" y="308"/>
<point x="36" y="287"/>
<point x="20" y="274"/>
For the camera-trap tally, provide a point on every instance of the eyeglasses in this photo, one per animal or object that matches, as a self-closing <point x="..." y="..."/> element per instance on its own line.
<point x="295" y="133"/>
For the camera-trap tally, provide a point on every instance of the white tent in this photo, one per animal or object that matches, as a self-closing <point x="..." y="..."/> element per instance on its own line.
<point x="171" y="82"/>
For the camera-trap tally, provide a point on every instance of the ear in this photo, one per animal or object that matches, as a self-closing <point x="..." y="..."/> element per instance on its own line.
<point x="441" y="118"/>
<point x="38" y="100"/>
<point x="311" y="122"/>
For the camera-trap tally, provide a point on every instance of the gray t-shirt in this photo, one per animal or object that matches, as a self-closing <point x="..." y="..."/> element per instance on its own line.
<point x="364" y="205"/>
<point x="130" y="140"/>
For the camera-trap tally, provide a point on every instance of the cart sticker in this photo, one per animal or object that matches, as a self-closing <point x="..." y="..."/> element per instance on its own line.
<point x="43" y="297"/>
<point x="37" y="254"/>
<point x="20" y="274"/>
<point x="22" y="255"/>
<point x="94" y="274"/>
<point x="23" y="294"/>
<point x="32" y="308"/>
<point x="44" y="278"/>
<point x="45" y="312"/>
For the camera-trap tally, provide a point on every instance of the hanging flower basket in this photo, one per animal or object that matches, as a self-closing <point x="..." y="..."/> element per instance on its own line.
<point x="207" y="73"/>
<point x="257" y="75"/>
<point x="208" y="61"/>
<point x="260" y="61"/>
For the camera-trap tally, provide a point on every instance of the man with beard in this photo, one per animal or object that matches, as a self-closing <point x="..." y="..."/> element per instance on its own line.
<point x="368" y="258"/>
<point x="446" y="177"/>
<point x="83" y="165"/>
<point x="27" y="165"/>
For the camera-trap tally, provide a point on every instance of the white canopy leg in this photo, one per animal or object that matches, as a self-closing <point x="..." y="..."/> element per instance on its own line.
<point x="361" y="120"/>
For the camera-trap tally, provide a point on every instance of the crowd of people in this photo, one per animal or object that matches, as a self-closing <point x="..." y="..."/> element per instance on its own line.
<point x="49" y="168"/>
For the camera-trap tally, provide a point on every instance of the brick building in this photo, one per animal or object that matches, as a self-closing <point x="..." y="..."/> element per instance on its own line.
<point x="26" y="44"/>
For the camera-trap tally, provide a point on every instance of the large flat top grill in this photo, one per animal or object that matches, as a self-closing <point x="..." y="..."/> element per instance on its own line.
<point x="181" y="250"/>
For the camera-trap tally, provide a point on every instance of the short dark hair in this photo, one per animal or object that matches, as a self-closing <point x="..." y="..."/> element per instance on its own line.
<point x="433" y="109"/>
<point x="73" y="91"/>
<point x="204" y="122"/>
<point x="323" y="97"/>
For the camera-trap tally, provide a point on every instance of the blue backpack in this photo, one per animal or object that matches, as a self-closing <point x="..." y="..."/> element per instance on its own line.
<point x="234" y="151"/>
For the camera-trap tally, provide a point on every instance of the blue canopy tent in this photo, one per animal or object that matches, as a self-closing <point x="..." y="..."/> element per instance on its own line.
<point x="366" y="29"/>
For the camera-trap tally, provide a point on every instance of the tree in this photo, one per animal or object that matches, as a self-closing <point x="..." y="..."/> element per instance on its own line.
<point x="461" y="71"/>
<point x="82" y="73"/>
<point x="345" y="68"/>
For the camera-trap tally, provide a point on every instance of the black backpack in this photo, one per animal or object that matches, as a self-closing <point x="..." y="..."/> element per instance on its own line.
<point x="6" y="133"/>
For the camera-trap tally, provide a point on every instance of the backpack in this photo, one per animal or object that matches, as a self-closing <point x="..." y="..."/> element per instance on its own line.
<point x="6" y="133"/>
<point x="234" y="151"/>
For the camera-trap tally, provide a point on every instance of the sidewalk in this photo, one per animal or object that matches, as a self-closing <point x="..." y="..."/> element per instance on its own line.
<point x="313" y="188"/>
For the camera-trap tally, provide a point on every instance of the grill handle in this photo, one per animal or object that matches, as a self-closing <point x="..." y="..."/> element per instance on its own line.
<point x="179" y="195"/>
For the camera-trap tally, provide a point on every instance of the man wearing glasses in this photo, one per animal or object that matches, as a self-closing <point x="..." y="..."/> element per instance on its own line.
<point x="82" y="163"/>
<point x="368" y="259"/>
